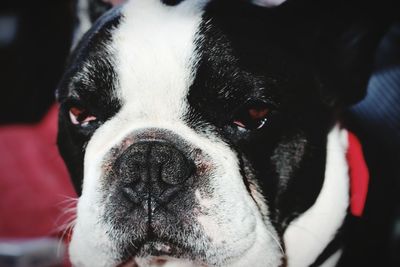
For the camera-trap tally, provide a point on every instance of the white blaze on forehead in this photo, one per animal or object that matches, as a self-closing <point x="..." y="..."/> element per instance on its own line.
<point x="156" y="56"/>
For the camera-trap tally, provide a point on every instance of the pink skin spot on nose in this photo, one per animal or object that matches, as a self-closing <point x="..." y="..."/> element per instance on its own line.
<point x="126" y="143"/>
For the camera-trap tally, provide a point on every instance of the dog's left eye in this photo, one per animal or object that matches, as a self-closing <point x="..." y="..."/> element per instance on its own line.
<point x="80" y="116"/>
<point x="252" y="116"/>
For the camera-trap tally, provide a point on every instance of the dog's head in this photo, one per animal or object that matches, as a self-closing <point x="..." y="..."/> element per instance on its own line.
<point x="198" y="130"/>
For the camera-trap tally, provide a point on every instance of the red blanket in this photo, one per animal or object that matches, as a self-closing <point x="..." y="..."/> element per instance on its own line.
<point x="35" y="188"/>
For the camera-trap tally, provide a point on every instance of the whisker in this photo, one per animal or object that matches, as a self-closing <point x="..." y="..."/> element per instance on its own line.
<point x="66" y="232"/>
<point x="276" y="241"/>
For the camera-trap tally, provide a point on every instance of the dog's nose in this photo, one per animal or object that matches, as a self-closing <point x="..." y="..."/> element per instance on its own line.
<point x="152" y="172"/>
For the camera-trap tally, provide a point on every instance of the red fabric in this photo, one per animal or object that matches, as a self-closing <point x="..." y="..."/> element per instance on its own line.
<point x="359" y="176"/>
<point x="34" y="184"/>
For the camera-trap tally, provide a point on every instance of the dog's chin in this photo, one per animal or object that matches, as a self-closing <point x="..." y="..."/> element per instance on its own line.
<point x="162" y="261"/>
<point x="161" y="253"/>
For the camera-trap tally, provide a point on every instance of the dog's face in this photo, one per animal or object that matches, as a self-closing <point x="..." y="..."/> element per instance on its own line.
<point x="198" y="133"/>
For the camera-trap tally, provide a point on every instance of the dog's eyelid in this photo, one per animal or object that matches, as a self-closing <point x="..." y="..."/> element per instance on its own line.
<point x="72" y="102"/>
<point x="80" y="116"/>
<point x="270" y="102"/>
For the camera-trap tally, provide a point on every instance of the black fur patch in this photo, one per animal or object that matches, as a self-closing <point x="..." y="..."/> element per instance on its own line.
<point x="89" y="82"/>
<point x="244" y="58"/>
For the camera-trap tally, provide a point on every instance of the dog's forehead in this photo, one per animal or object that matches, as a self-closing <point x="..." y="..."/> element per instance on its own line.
<point x="145" y="48"/>
<point x="158" y="60"/>
<point x="156" y="55"/>
<point x="143" y="53"/>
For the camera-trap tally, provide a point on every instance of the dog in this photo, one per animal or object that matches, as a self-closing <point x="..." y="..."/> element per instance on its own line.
<point x="207" y="133"/>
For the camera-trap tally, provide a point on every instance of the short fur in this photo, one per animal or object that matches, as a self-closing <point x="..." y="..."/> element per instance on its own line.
<point x="175" y="75"/>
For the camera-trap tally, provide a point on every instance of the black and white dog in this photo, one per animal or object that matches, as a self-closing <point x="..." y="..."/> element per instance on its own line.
<point x="204" y="133"/>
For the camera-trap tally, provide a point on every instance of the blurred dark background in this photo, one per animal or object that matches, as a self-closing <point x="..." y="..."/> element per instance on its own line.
<point x="376" y="121"/>
<point x="35" y="38"/>
<point x="34" y="43"/>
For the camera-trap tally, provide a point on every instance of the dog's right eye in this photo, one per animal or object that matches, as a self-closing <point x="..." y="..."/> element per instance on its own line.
<point x="252" y="116"/>
<point x="80" y="116"/>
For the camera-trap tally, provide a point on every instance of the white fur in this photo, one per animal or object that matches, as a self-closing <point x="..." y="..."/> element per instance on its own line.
<point x="308" y="235"/>
<point x="156" y="59"/>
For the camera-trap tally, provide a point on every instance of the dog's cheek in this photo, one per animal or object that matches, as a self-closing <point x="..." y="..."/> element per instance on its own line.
<point x="90" y="246"/>
<point x="235" y="218"/>
<point x="259" y="199"/>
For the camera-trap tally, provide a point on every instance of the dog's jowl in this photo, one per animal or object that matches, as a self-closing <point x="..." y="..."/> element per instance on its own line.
<point x="203" y="133"/>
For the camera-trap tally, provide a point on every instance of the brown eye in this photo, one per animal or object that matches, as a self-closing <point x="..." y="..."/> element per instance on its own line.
<point x="80" y="116"/>
<point x="252" y="116"/>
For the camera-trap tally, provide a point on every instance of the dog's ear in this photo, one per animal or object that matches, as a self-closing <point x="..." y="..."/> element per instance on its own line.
<point x="93" y="9"/>
<point x="337" y="38"/>
<point x="341" y="38"/>
<point x="88" y="11"/>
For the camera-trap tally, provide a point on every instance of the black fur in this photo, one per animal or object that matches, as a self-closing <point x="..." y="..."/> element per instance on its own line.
<point x="305" y="61"/>
<point x="92" y="90"/>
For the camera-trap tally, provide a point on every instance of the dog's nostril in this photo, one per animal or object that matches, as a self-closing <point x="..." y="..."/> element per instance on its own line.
<point x="175" y="173"/>
<point x="135" y="192"/>
<point x="131" y="194"/>
<point x="169" y="165"/>
<point x="130" y="166"/>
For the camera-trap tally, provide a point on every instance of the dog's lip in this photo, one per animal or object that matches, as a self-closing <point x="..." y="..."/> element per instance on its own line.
<point x="161" y="252"/>
<point x="128" y="263"/>
<point x="155" y="261"/>
<point x="159" y="248"/>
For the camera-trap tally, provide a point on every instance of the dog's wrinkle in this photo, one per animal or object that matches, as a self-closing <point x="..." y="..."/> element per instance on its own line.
<point x="149" y="206"/>
<point x="243" y="172"/>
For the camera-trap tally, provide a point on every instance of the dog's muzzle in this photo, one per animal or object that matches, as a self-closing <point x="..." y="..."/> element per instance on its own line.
<point x="152" y="172"/>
